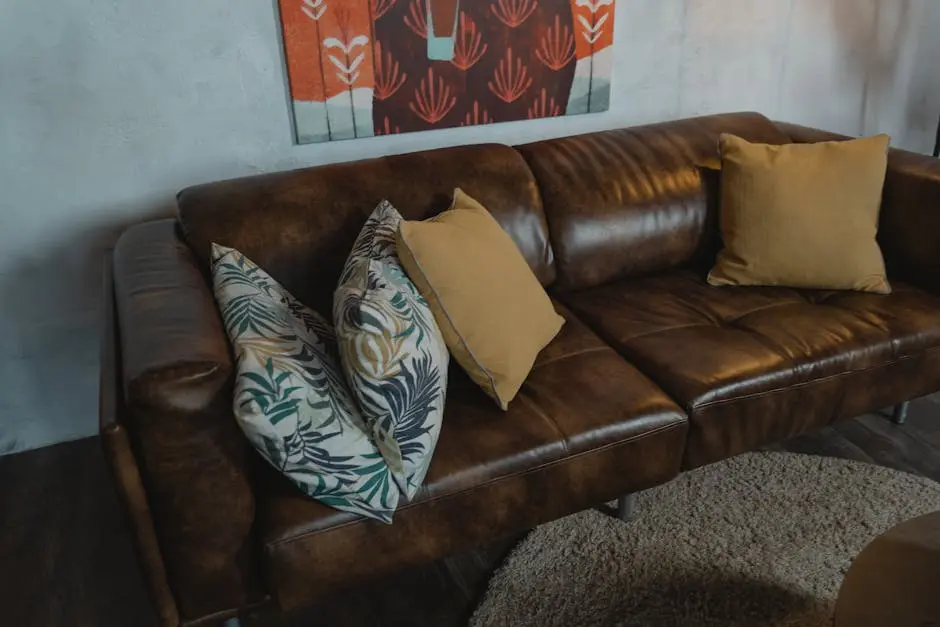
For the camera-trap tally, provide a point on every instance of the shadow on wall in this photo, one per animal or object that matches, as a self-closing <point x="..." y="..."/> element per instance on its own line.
<point x="873" y="53"/>
<point x="923" y="104"/>
<point x="50" y="334"/>
<point x="891" y="57"/>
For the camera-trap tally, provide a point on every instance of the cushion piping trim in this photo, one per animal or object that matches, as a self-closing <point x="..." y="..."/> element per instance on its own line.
<point x="450" y="320"/>
<point x="802" y="384"/>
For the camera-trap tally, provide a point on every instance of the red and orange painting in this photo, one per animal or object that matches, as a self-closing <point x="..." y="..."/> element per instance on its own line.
<point x="359" y="68"/>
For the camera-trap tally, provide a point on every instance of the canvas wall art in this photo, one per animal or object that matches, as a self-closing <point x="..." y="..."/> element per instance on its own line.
<point x="359" y="68"/>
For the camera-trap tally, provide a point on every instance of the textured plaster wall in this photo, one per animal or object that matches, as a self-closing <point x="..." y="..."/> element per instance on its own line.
<point x="107" y="108"/>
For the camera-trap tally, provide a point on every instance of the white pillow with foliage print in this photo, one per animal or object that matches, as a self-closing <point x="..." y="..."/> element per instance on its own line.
<point x="291" y="398"/>
<point x="392" y="350"/>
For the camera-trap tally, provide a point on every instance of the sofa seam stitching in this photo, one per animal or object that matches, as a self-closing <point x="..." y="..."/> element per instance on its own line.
<point x="270" y="546"/>
<point x="538" y="411"/>
<point x="585" y="351"/>
<point x="803" y="384"/>
<point x="680" y="327"/>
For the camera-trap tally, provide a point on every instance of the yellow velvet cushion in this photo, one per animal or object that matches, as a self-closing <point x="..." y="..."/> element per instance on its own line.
<point x="802" y="215"/>
<point x="493" y="313"/>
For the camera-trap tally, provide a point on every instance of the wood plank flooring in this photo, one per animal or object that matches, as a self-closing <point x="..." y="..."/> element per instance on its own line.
<point x="66" y="556"/>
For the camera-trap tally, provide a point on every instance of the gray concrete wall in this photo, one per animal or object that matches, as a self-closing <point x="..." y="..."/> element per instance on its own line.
<point x="108" y="108"/>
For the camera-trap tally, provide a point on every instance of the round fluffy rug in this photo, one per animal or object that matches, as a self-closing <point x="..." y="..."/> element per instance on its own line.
<point x="760" y="540"/>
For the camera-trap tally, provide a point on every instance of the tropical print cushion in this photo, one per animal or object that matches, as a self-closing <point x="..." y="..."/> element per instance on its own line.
<point x="392" y="351"/>
<point x="291" y="398"/>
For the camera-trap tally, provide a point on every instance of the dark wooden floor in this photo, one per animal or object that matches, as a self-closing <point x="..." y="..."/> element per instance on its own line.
<point x="66" y="556"/>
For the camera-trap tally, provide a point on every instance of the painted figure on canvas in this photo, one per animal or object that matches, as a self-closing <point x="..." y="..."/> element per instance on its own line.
<point x="359" y="68"/>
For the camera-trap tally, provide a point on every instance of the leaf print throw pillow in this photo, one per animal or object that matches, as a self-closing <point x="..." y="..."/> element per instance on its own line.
<point x="392" y="351"/>
<point x="291" y="399"/>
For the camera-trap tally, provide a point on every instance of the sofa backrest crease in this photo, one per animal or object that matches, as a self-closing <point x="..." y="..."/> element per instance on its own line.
<point x="584" y="210"/>
<point x="300" y="226"/>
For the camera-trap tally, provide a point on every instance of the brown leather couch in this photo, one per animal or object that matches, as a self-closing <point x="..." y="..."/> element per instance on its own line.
<point x="654" y="373"/>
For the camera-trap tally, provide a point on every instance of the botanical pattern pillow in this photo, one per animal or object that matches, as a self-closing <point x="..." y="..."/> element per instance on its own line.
<point x="392" y="350"/>
<point x="291" y="398"/>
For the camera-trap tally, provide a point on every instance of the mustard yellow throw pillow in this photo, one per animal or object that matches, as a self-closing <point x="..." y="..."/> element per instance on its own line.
<point x="493" y="313"/>
<point x="802" y="215"/>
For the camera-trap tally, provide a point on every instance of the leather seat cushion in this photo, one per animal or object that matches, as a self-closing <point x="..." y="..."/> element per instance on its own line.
<point x="753" y="365"/>
<point x="585" y="428"/>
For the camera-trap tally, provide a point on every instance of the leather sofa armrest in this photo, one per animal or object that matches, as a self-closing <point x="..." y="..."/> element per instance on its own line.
<point x="909" y="232"/>
<point x="124" y="470"/>
<point x="194" y="462"/>
<point x="175" y="352"/>
<point x="909" y="229"/>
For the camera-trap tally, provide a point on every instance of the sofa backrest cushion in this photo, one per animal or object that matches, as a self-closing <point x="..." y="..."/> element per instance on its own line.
<point x="637" y="200"/>
<point x="300" y="226"/>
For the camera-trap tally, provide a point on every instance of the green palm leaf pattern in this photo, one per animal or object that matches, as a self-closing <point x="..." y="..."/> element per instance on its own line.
<point x="376" y="240"/>
<point x="275" y="400"/>
<point x="243" y="314"/>
<point x="291" y="398"/>
<point x="412" y="398"/>
<point x="411" y="309"/>
<point x="311" y="321"/>
<point x="379" y="485"/>
<point x="392" y="351"/>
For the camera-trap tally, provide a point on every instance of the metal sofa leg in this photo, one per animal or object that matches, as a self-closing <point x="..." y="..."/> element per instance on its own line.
<point x="626" y="507"/>
<point x="899" y="414"/>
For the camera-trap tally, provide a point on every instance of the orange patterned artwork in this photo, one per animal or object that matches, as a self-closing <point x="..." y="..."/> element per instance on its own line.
<point x="359" y="68"/>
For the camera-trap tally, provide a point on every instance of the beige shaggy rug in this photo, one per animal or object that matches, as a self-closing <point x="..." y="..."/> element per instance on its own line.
<point x="760" y="540"/>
